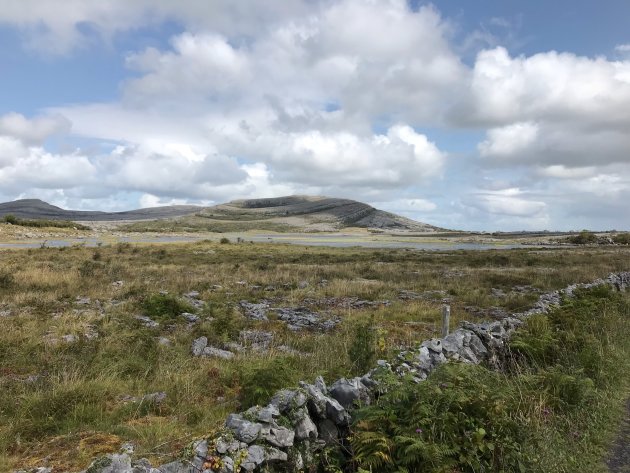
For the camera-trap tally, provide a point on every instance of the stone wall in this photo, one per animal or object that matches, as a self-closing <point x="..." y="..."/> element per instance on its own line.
<point x="292" y="431"/>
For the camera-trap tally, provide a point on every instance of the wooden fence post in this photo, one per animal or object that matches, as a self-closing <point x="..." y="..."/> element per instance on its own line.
<point x="446" y="318"/>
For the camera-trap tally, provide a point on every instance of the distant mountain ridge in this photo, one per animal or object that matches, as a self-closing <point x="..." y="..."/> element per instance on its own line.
<point x="38" y="209"/>
<point x="291" y="213"/>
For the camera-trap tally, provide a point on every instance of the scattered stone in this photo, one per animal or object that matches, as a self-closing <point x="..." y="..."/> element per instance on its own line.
<point x="146" y="321"/>
<point x="164" y="341"/>
<point x="156" y="398"/>
<point x="255" y="311"/>
<point x="256" y="339"/>
<point x="212" y="352"/>
<point x="118" y="283"/>
<point x="82" y="300"/>
<point x="190" y="318"/>
<point x="303" y="284"/>
<point x="300" y="318"/>
<point x="198" y="346"/>
<point x="345" y="303"/>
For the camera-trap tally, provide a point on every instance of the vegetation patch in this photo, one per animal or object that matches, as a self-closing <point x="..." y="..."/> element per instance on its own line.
<point x="553" y="407"/>
<point x="42" y="223"/>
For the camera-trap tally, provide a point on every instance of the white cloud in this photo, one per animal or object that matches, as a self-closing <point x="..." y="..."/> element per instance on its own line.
<point x="560" y="171"/>
<point x="407" y="206"/>
<point x="551" y="85"/>
<point x="510" y="202"/>
<point x="509" y="140"/>
<point x="31" y="166"/>
<point x="293" y="96"/>
<point x="34" y="130"/>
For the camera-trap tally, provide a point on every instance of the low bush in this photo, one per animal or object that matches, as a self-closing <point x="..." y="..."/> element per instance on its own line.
<point x="560" y="393"/>
<point x="164" y="306"/>
<point x="362" y="351"/>
<point x="41" y="223"/>
<point x="260" y="380"/>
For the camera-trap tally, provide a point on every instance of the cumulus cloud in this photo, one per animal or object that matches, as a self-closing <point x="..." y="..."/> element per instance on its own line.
<point x="55" y="30"/>
<point x="251" y="99"/>
<point x="34" y="130"/>
<point x="556" y="86"/>
<point x="31" y="166"/>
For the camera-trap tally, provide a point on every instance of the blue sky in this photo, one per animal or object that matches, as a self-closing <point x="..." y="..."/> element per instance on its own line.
<point x="485" y="115"/>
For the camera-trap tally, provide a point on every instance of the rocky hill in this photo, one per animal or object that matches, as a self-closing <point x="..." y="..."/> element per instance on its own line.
<point x="38" y="209"/>
<point x="314" y="213"/>
<point x="291" y="213"/>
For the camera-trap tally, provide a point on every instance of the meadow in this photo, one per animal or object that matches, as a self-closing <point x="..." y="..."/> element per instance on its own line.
<point x="84" y="367"/>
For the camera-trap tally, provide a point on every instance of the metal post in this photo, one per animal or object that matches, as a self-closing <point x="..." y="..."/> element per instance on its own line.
<point x="446" y="318"/>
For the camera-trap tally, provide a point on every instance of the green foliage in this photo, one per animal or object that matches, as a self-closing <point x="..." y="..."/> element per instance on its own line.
<point x="41" y="223"/>
<point x="260" y="380"/>
<point x="467" y="418"/>
<point x="583" y="238"/>
<point x="224" y="241"/>
<point x="456" y="420"/>
<point x="362" y="350"/>
<point x="622" y="238"/>
<point x="12" y="219"/>
<point x="224" y="326"/>
<point x="6" y="279"/>
<point x="89" y="269"/>
<point x="164" y="306"/>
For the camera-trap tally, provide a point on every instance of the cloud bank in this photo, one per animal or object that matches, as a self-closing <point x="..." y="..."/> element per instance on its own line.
<point x="249" y="101"/>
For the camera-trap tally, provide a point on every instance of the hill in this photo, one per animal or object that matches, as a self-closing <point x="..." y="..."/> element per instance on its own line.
<point x="289" y="214"/>
<point x="292" y="213"/>
<point x="38" y="209"/>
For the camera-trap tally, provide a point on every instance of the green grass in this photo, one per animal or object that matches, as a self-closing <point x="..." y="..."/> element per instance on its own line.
<point x="66" y="401"/>
<point x="552" y="409"/>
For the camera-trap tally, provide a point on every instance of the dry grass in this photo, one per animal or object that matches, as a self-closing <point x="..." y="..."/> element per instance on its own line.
<point x="62" y="393"/>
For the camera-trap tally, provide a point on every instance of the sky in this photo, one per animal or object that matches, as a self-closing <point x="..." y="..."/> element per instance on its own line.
<point x="485" y="115"/>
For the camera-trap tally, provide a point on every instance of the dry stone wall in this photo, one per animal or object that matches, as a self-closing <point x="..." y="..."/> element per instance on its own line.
<point x="299" y="424"/>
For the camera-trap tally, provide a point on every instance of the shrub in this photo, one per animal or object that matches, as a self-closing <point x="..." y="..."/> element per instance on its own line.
<point x="164" y="306"/>
<point x="12" y="219"/>
<point x="583" y="238"/>
<point x="259" y="381"/>
<point x="224" y="241"/>
<point x="6" y="279"/>
<point x="622" y="239"/>
<point x="566" y="366"/>
<point x="362" y="351"/>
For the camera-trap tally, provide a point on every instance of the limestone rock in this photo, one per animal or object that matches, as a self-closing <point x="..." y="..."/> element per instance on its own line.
<point x="198" y="346"/>
<point x="244" y="430"/>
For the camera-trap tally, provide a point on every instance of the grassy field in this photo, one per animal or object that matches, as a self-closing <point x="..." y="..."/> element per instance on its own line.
<point x="75" y="362"/>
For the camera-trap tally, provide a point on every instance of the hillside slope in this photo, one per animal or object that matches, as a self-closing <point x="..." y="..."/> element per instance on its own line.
<point x="285" y="214"/>
<point x="38" y="209"/>
<point x="289" y="214"/>
<point x="315" y="209"/>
